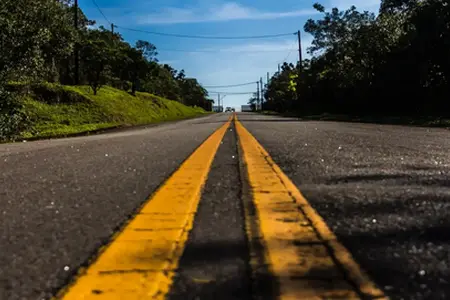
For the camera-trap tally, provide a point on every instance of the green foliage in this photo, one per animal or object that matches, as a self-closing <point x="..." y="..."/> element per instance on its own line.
<point x="96" y="54"/>
<point x="51" y="93"/>
<point x="39" y="44"/>
<point x="110" y="107"/>
<point x="13" y="120"/>
<point x="393" y="64"/>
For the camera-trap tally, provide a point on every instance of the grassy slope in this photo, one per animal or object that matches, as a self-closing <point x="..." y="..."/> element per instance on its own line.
<point x="109" y="108"/>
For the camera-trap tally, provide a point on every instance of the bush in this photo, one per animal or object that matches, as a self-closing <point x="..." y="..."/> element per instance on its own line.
<point x="13" y="121"/>
<point x="55" y="94"/>
<point x="50" y="93"/>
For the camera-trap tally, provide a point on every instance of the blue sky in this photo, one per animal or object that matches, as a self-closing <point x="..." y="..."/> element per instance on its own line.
<point x="222" y="62"/>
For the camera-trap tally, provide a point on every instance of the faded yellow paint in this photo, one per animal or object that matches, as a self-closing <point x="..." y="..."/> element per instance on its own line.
<point x="301" y="251"/>
<point x="140" y="262"/>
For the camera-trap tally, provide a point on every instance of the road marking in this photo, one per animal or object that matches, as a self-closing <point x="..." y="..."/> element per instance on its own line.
<point x="140" y="261"/>
<point x="300" y="251"/>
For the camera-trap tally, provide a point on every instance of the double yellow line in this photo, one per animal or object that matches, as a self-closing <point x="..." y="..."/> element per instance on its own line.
<point x="299" y="249"/>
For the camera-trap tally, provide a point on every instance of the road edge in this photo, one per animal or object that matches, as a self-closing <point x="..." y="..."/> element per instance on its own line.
<point x="355" y="120"/>
<point x="106" y="130"/>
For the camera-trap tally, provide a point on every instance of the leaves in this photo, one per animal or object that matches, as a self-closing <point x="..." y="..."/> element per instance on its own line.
<point x="395" y="63"/>
<point x="38" y="41"/>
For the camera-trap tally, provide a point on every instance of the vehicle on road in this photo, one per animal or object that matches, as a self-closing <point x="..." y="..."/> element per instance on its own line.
<point x="246" y="108"/>
<point x="228" y="109"/>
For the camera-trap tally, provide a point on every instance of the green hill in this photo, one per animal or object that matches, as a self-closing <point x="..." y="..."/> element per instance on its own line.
<point x="56" y="110"/>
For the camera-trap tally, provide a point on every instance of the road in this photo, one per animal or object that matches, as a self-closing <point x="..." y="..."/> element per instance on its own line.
<point x="383" y="191"/>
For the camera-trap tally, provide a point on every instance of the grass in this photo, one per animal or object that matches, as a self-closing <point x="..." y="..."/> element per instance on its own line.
<point x="108" y="109"/>
<point x="393" y="120"/>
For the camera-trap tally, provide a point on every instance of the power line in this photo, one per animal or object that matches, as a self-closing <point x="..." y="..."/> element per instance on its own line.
<point x="209" y="37"/>
<point x="222" y="51"/>
<point x="289" y="54"/>
<point x="100" y="10"/>
<point x="226" y="86"/>
<point x="232" y="93"/>
<point x="195" y="36"/>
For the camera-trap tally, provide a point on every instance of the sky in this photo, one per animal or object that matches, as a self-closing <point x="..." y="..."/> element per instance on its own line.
<point x="219" y="62"/>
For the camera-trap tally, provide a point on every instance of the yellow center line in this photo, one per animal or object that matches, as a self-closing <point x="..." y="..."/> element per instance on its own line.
<point x="139" y="263"/>
<point x="300" y="251"/>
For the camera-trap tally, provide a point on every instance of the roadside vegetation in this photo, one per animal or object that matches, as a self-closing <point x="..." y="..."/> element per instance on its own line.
<point x="392" y="67"/>
<point x="110" y="107"/>
<point x="117" y="83"/>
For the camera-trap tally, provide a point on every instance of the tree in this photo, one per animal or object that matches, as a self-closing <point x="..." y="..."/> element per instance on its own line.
<point x="193" y="94"/>
<point x="96" y="55"/>
<point x="367" y="65"/>
<point x="252" y="101"/>
<point x="137" y="67"/>
<point x="147" y="49"/>
<point x="29" y="50"/>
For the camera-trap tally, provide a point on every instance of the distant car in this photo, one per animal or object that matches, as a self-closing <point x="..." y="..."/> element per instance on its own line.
<point x="228" y="109"/>
<point x="246" y="108"/>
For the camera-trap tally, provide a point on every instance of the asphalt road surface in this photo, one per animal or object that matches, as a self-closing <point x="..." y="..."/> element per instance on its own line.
<point x="60" y="200"/>
<point x="215" y="260"/>
<point x="383" y="190"/>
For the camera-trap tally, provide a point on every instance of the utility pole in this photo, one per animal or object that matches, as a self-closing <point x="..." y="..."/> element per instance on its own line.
<point x="112" y="31"/>
<point x="278" y="68"/>
<point x="267" y="86"/>
<point x="300" y="69"/>
<point x="262" y="92"/>
<point x="218" y="100"/>
<point x="223" y="97"/>
<point x="77" y="62"/>
<point x="299" y="50"/>
<point x="257" y="93"/>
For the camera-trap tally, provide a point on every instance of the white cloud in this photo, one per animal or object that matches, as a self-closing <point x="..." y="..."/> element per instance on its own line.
<point x="240" y="63"/>
<point x="225" y="12"/>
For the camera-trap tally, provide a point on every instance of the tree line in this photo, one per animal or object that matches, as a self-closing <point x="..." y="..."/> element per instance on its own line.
<point x="394" y="63"/>
<point x="39" y="40"/>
